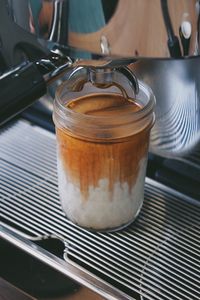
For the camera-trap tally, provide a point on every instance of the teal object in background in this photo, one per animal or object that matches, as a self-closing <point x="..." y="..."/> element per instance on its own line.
<point x="36" y="6"/>
<point x="79" y="11"/>
<point x="90" y="10"/>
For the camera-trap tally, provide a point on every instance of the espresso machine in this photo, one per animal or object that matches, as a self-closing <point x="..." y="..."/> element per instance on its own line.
<point x="156" y="41"/>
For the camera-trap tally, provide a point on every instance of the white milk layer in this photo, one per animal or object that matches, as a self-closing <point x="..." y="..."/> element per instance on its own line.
<point x="102" y="210"/>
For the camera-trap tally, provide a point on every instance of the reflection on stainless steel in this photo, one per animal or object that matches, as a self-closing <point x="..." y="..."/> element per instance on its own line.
<point x="157" y="257"/>
<point x="118" y="27"/>
<point x="59" y="29"/>
<point x="112" y="33"/>
<point x="176" y="85"/>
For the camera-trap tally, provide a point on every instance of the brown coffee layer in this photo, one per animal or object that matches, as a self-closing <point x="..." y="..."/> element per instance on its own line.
<point x="86" y="162"/>
<point x="103" y="105"/>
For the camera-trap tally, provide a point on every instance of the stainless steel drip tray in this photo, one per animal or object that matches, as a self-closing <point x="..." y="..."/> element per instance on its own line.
<point x="157" y="257"/>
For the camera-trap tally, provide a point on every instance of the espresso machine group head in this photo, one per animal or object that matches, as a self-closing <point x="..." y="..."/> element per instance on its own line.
<point x="41" y="40"/>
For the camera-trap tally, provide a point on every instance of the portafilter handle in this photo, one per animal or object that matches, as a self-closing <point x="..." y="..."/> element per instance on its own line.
<point x="22" y="85"/>
<point x="26" y="83"/>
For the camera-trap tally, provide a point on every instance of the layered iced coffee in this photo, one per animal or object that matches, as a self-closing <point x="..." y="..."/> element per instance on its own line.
<point x="102" y="159"/>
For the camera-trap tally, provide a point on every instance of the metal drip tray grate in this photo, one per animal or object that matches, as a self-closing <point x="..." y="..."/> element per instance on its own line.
<point x="157" y="257"/>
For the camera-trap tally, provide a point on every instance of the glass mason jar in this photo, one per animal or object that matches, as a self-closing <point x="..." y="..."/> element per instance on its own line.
<point x="103" y="123"/>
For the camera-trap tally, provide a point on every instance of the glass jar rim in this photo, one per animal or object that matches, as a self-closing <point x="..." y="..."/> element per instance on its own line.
<point x="100" y="127"/>
<point x="145" y="109"/>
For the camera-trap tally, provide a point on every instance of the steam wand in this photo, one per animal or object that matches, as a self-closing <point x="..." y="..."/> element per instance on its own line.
<point x="173" y="41"/>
